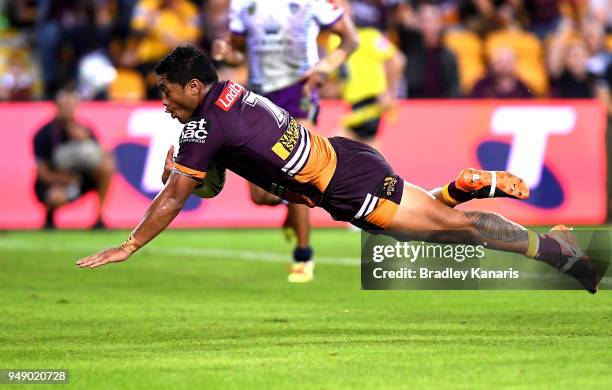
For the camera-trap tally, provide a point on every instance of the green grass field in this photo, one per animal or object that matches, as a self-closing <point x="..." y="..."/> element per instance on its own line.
<point x="212" y="309"/>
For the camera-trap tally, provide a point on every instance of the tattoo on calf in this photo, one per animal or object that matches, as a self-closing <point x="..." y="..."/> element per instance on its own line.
<point x="496" y="227"/>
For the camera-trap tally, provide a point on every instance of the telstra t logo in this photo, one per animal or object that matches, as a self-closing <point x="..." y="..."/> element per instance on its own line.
<point x="142" y="164"/>
<point x="530" y="128"/>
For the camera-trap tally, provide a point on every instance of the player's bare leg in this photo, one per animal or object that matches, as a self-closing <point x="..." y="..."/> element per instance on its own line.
<point x="474" y="183"/>
<point x="421" y="217"/>
<point x="298" y="221"/>
<point x="102" y="176"/>
<point x="261" y="197"/>
<point x="303" y="266"/>
<point x="298" y="216"/>
<point x="57" y="196"/>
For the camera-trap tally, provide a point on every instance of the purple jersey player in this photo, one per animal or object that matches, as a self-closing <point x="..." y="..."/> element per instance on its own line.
<point x="249" y="135"/>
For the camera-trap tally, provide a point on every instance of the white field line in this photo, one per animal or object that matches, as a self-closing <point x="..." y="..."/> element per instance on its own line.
<point x="272" y="257"/>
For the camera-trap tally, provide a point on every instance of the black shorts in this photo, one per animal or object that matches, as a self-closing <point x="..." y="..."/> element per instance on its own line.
<point x="41" y="188"/>
<point x="292" y="100"/>
<point x="366" y="130"/>
<point x="364" y="189"/>
<point x="369" y="128"/>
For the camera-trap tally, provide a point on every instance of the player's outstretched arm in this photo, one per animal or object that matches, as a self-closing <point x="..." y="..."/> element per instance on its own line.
<point x="162" y="211"/>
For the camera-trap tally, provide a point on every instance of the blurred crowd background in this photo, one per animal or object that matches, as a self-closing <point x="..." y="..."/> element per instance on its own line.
<point x="453" y="48"/>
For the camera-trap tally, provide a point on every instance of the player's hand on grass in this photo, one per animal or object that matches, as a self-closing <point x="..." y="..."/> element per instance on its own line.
<point x="168" y="164"/>
<point x="106" y="256"/>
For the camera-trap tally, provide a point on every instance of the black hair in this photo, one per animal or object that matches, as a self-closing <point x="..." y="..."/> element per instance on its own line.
<point x="186" y="63"/>
<point x="67" y="86"/>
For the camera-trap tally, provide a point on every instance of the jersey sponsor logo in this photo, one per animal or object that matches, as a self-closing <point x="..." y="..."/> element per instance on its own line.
<point x="229" y="96"/>
<point x="389" y="185"/>
<point x="287" y="142"/>
<point x="195" y="131"/>
<point x="301" y="154"/>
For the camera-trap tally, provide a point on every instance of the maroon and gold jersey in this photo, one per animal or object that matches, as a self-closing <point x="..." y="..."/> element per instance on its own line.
<point x="249" y="135"/>
<point x="256" y="139"/>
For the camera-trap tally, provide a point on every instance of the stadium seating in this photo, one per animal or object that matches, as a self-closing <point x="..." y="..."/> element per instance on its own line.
<point x="128" y="86"/>
<point x="529" y="53"/>
<point x="467" y="47"/>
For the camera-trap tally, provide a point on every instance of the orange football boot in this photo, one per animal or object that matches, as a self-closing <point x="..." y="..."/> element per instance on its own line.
<point x="492" y="184"/>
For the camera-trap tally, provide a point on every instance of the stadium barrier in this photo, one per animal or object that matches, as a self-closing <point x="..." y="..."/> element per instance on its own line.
<point x="557" y="146"/>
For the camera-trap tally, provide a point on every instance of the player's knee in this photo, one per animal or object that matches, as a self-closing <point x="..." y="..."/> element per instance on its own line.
<point x="258" y="199"/>
<point x="263" y="198"/>
<point x="106" y="167"/>
<point x="266" y="200"/>
<point x="56" y="197"/>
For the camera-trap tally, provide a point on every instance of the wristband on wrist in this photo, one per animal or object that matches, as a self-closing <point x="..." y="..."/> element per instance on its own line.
<point x="131" y="245"/>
